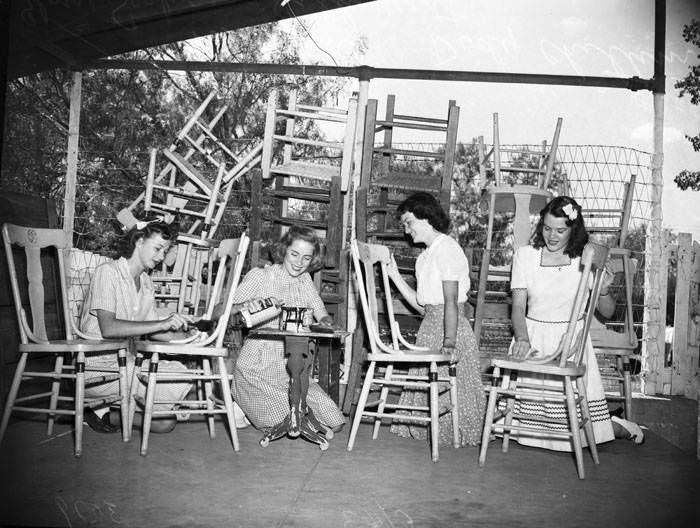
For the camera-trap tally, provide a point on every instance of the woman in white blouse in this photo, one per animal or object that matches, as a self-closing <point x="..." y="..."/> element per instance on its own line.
<point x="442" y="277"/>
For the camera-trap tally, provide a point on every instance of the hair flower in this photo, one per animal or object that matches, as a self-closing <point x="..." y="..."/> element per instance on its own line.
<point x="570" y="211"/>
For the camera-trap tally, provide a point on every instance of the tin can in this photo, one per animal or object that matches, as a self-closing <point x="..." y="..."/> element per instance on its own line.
<point x="268" y="310"/>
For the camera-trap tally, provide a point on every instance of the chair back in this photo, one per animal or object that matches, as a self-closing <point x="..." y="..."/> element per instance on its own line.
<point x="370" y="261"/>
<point x="231" y="258"/>
<point x="34" y="240"/>
<point x="587" y="294"/>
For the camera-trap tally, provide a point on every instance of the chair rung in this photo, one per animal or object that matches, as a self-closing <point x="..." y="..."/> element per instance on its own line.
<point x="407" y="408"/>
<point x="532" y="396"/>
<point x="96" y="380"/>
<point x="33" y="397"/>
<point x="398" y="417"/>
<point x="398" y="383"/>
<point x="543" y="419"/>
<point x="43" y="410"/>
<point x="524" y="428"/>
<point x="52" y="375"/>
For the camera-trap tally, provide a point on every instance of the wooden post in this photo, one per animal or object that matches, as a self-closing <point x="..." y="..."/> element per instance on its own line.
<point x="72" y="167"/>
<point x="684" y="366"/>
<point x="654" y="318"/>
<point x="72" y="156"/>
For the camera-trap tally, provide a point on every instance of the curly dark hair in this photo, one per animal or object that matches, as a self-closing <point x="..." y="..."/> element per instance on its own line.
<point x="425" y="206"/>
<point x="579" y="235"/>
<point x="133" y="235"/>
<point x="295" y="232"/>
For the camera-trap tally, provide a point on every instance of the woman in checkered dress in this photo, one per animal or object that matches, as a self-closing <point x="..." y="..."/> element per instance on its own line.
<point x="261" y="380"/>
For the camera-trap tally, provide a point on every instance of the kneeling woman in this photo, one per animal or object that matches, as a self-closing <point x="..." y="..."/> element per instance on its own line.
<point x="261" y="380"/>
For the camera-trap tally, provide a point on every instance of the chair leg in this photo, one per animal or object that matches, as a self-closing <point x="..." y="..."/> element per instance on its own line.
<point x="627" y="387"/>
<point x="12" y="396"/>
<point x="148" y="406"/>
<point x="228" y="402"/>
<point x="587" y="422"/>
<point x="511" y="384"/>
<point x="123" y="394"/>
<point x="383" y="395"/>
<point x="454" y="402"/>
<point x="434" y="412"/>
<point x="488" y="421"/>
<point x="55" y="389"/>
<point x="79" y="402"/>
<point x="361" y="404"/>
<point x="206" y="367"/>
<point x="132" y="392"/>
<point x="574" y="428"/>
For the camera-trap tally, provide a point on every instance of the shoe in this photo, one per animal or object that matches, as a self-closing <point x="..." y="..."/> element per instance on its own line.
<point x="241" y="419"/>
<point x="628" y="430"/>
<point x="97" y="424"/>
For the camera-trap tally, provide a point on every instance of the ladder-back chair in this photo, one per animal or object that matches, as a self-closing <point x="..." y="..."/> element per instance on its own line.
<point x="566" y="366"/>
<point x="203" y="350"/>
<point x="27" y="280"/>
<point x="368" y="260"/>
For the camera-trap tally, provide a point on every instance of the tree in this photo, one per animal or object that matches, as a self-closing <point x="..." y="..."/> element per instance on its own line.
<point x="126" y="113"/>
<point x="690" y="85"/>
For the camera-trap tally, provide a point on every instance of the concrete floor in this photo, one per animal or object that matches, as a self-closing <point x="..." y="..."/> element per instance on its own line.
<point x="189" y="480"/>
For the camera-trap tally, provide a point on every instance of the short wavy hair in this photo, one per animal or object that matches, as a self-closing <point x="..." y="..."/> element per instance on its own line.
<point x="579" y="235"/>
<point x="154" y="227"/>
<point x="425" y="206"/>
<point x="294" y="233"/>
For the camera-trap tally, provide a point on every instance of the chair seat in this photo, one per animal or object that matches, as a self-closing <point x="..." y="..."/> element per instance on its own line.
<point x="66" y="345"/>
<point x="569" y="369"/>
<point x="409" y="358"/>
<point x="180" y="349"/>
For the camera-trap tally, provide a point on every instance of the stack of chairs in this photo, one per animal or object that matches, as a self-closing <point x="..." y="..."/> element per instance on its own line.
<point x="514" y="181"/>
<point x="388" y="175"/>
<point x="193" y="184"/>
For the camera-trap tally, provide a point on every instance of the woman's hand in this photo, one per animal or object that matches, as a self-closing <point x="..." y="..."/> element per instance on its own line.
<point x="176" y="322"/>
<point x="449" y="350"/>
<point x="521" y="348"/>
<point x="393" y="269"/>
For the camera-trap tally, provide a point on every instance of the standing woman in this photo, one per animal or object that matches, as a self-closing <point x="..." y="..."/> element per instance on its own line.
<point x="545" y="277"/>
<point x="260" y="377"/>
<point x="121" y="304"/>
<point x="442" y="274"/>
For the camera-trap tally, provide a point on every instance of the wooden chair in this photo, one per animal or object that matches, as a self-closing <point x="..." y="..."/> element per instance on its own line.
<point x="615" y="348"/>
<point x="514" y="180"/>
<point x="610" y="225"/>
<point x="369" y="259"/>
<point x="566" y="364"/>
<point x="231" y="256"/>
<point x="392" y="173"/>
<point x="35" y="340"/>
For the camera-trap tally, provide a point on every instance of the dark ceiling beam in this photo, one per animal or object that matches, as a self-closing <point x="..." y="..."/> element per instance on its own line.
<point x="368" y="72"/>
<point x="101" y="29"/>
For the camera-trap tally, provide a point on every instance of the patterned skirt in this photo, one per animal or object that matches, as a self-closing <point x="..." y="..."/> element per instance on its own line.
<point x="545" y="337"/>
<point x="261" y="387"/>
<point x="470" y="391"/>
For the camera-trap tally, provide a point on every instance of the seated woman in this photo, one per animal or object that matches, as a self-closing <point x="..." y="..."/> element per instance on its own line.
<point x="544" y="280"/>
<point x="121" y="304"/>
<point x="260" y="379"/>
<point x="442" y="274"/>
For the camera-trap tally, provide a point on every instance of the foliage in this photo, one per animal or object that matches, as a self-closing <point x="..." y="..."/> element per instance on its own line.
<point x="690" y="85"/>
<point x="126" y="113"/>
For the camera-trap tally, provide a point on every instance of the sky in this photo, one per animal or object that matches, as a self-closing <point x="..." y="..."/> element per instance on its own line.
<point x="569" y="37"/>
